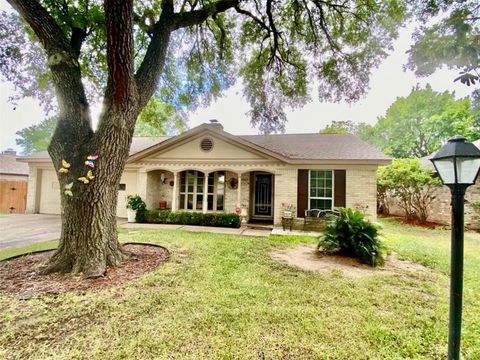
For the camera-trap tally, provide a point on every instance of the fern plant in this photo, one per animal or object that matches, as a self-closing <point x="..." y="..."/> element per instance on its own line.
<point x="350" y="234"/>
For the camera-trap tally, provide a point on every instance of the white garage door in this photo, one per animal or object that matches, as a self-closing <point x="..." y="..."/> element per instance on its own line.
<point x="50" y="193"/>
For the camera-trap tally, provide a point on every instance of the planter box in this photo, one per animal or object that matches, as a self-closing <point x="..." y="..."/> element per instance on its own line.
<point x="131" y="215"/>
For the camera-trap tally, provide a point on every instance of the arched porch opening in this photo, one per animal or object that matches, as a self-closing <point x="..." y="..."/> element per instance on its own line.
<point x="160" y="189"/>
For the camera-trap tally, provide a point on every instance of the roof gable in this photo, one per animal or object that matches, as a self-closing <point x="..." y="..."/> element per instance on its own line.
<point x="187" y="146"/>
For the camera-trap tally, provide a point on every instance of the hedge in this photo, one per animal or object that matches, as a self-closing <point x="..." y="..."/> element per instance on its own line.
<point x="188" y="218"/>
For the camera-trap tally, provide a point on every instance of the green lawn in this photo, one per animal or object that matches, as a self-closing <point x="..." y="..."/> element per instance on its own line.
<point x="224" y="297"/>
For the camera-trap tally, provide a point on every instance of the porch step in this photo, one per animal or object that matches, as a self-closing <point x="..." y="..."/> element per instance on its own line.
<point x="260" y="226"/>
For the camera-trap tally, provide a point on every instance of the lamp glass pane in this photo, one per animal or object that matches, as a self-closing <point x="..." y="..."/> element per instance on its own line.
<point x="467" y="169"/>
<point x="446" y="170"/>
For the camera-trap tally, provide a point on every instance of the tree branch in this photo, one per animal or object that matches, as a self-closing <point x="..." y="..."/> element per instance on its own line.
<point x="195" y="17"/>
<point x="74" y="120"/>
<point x="149" y="72"/>
<point x="76" y="40"/>
<point x="120" y="51"/>
<point x="256" y="19"/>
<point x="45" y="27"/>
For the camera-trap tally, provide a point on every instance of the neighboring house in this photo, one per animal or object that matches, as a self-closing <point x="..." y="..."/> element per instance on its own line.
<point x="440" y="209"/>
<point x="13" y="183"/>
<point x="207" y="169"/>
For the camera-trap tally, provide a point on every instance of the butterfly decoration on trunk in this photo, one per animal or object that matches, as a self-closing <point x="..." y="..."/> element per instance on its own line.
<point x="68" y="189"/>
<point x="90" y="163"/>
<point x="87" y="178"/>
<point x="65" y="167"/>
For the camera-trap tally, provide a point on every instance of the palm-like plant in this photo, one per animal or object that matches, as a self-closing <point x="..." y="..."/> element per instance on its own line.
<point x="350" y="234"/>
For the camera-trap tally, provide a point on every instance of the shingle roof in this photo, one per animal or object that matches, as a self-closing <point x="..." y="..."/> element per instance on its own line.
<point x="9" y="165"/>
<point x="291" y="146"/>
<point x="318" y="146"/>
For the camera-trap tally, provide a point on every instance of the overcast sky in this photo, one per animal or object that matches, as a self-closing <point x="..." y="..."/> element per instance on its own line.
<point x="387" y="82"/>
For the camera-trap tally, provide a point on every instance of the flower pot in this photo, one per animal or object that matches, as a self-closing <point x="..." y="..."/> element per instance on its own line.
<point x="131" y="214"/>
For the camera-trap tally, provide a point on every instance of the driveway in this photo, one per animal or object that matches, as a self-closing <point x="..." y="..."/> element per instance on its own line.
<point x="20" y="230"/>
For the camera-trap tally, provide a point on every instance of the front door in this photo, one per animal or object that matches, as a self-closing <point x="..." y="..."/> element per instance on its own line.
<point x="263" y="196"/>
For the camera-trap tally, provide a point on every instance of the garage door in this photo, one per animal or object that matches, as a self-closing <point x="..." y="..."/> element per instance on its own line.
<point x="50" y="193"/>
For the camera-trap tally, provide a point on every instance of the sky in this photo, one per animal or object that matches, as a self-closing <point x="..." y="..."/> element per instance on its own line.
<point x="387" y="82"/>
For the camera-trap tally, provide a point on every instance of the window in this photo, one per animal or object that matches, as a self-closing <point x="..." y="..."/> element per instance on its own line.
<point x="122" y="187"/>
<point x="320" y="194"/>
<point x="192" y="190"/>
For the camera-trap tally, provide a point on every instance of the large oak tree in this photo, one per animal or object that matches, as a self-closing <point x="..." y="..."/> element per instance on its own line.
<point x="185" y="52"/>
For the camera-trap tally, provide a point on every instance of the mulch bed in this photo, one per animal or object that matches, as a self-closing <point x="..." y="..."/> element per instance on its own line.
<point x="414" y="222"/>
<point x="20" y="277"/>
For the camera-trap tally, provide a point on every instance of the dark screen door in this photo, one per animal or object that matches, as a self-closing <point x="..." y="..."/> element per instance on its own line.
<point x="263" y="195"/>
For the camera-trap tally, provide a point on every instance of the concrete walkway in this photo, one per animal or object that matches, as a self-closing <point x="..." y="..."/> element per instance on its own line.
<point x="210" y="229"/>
<point x="22" y="230"/>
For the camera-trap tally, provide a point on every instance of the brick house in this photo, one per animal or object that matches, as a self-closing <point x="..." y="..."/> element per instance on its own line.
<point x="207" y="169"/>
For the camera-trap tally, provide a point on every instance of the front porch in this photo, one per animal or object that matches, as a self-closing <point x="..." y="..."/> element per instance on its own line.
<point x="249" y="192"/>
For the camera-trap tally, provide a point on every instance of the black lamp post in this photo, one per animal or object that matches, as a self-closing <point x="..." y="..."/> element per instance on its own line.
<point x="458" y="165"/>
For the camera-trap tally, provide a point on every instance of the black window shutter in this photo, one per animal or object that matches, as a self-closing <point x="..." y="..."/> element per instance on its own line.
<point x="339" y="197"/>
<point x="302" y="192"/>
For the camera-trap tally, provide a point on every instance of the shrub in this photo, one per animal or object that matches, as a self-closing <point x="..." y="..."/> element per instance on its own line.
<point x="136" y="203"/>
<point x="410" y="184"/>
<point x="350" y="234"/>
<point x="188" y="218"/>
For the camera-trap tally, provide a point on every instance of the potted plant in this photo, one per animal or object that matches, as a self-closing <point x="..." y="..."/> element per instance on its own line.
<point x="134" y="203"/>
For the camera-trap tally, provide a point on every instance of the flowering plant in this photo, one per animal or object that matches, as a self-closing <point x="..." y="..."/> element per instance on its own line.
<point x="287" y="207"/>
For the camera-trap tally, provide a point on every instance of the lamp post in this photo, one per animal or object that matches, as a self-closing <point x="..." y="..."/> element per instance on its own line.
<point x="457" y="164"/>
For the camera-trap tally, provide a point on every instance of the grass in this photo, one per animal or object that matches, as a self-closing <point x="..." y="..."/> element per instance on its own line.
<point x="223" y="297"/>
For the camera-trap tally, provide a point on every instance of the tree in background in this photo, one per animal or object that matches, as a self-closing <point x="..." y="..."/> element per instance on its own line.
<point x="415" y="126"/>
<point x="36" y="138"/>
<point x="156" y="119"/>
<point x="185" y="53"/>
<point x="411" y="185"/>
<point x="159" y="119"/>
<point x="449" y="37"/>
<point x="343" y="127"/>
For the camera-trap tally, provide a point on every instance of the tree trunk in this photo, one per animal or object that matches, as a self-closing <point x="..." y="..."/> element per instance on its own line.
<point x="89" y="240"/>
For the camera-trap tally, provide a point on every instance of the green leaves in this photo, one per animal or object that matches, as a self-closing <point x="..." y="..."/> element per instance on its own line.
<point x="415" y="126"/>
<point x="452" y="41"/>
<point x="276" y="48"/>
<point x="36" y="138"/>
<point x="350" y="234"/>
<point x="410" y="185"/>
<point x="158" y="119"/>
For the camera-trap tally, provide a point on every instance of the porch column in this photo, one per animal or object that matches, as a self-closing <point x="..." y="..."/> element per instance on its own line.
<point x="205" y="192"/>
<point x="175" y="191"/>
<point x="142" y="183"/>
<point x="239" y="191"/>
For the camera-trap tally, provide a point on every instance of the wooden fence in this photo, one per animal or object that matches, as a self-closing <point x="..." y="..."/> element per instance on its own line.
<point x="13" y="196"/>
